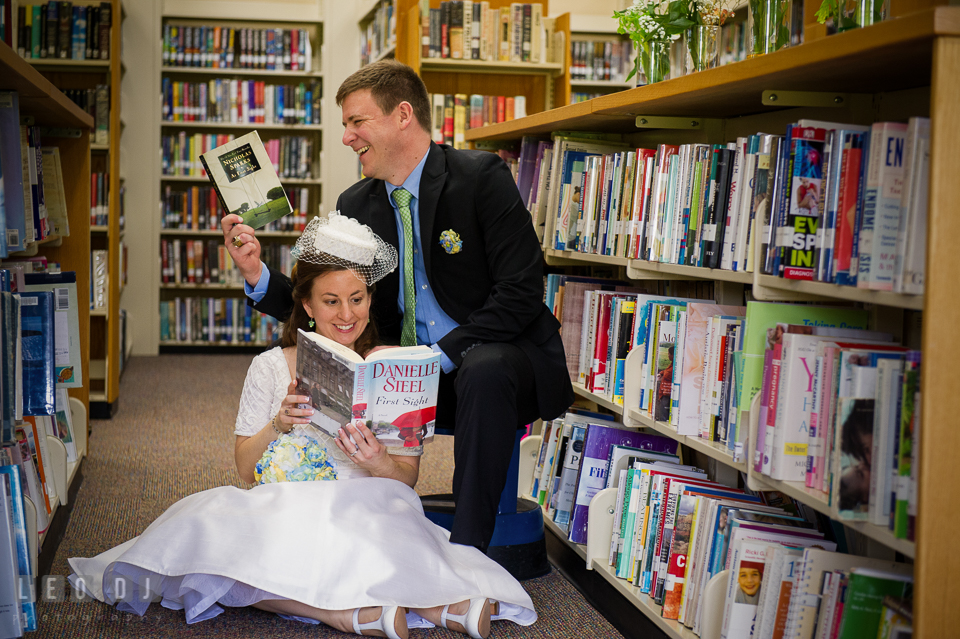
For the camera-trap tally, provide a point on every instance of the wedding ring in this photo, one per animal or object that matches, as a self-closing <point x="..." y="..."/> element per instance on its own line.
<point x="237" y="242"/>
<point x="354" y="453"/>
<point x="286" y="411"/>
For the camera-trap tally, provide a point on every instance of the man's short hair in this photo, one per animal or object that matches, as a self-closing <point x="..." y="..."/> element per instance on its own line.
<point x="390" y="83"/>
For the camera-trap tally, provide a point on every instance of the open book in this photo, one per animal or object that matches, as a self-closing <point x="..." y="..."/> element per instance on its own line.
<point x="394" y="390"/>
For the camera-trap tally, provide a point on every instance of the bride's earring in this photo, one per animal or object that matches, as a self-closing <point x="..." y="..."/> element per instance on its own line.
<point x="311" y="323"/>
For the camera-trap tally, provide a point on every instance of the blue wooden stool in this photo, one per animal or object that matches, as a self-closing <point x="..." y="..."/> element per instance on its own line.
<point x="518" y="543"/>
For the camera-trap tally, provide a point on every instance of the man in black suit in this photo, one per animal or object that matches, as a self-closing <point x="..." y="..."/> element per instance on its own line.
<point x="477" y="276"/>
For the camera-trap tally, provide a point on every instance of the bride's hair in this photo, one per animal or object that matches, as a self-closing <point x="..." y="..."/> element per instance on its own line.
<point x="302" y="278"/>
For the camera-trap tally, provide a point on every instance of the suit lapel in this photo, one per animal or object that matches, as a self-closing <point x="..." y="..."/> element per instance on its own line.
<point x="431" y="184"/>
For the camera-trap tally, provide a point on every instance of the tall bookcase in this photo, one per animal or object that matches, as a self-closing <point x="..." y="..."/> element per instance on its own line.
<point x="377" y="21"/>
<point x="178" y="183"/>
<point x="66" y="126"/>
<point x="597" y="28"/>
<point x="545" y="84"/>
<point x="899" y="68"/>
<point x="106" y="324"/>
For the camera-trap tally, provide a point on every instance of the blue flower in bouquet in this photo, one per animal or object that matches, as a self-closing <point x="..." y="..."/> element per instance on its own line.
<point x="294" y="457"/>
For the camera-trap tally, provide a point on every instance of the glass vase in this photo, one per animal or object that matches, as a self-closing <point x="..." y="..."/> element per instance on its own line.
<point x="654" y="62"/>
<point x="770" y="21"/>
<point x="861" y="13"/>
<point x="703" y="45"/>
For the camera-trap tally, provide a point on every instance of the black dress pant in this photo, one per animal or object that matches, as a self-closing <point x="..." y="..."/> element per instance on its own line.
<point x="485" y="400"/>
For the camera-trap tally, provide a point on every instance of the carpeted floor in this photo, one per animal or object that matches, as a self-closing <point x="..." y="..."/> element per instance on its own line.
<point x="172" y="435"/>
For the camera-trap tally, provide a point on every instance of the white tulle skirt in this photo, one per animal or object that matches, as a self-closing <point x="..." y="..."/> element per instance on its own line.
<point x="333" y="545"/>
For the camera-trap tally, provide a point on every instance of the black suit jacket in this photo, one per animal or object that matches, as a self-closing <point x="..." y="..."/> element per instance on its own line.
<point x="493" y="287"/>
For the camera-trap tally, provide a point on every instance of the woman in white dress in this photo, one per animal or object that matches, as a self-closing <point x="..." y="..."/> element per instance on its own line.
<point x="358" y="555"/>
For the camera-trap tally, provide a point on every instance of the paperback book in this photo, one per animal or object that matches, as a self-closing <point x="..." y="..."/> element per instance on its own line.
<point x="393" y="390"/>
<point x="242" y="173"/>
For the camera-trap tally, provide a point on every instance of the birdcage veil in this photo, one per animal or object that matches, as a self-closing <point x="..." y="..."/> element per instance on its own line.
<point x="342" y="241"/>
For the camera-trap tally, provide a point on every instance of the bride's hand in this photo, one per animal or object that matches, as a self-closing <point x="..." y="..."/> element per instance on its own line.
<point x="363" y="447"/>
<point x="294" y="409"/>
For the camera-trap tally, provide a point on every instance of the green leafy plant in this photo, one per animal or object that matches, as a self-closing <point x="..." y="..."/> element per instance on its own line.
<point x="850" y="15"/>
<point x="653" y="21"/>
<point x="770" y="30"/>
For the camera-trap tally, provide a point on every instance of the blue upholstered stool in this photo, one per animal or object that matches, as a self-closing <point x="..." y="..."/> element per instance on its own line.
<point x="518" y="543"/>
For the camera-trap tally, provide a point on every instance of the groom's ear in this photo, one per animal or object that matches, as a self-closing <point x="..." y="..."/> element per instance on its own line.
<point x="405" y="114"/>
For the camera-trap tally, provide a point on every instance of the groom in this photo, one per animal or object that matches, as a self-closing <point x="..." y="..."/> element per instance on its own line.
<point x="470" y="272"/>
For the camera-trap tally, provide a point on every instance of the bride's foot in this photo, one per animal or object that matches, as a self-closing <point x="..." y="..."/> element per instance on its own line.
<point x="380" y="621"/>
<point x="471" y="617"/>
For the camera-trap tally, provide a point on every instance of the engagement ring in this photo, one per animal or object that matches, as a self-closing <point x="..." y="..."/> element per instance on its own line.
<point x="354" y="453"/>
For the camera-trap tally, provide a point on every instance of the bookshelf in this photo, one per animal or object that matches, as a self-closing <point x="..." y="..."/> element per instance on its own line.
<point x="378" y="30"/>
<point x="900" y="68"/>
<point x="51" y="109"/>
<point x="188" y="127"/>
<point x="545" y="85"/>
<point x="598" y="29"/>
<point x="105" y="329"/>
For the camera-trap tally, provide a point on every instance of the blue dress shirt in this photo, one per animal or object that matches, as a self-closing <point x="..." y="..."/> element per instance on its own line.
<point x="432" y="323"/>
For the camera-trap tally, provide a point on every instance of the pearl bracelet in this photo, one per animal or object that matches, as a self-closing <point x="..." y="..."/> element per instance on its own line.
<point x="273" y="423"/>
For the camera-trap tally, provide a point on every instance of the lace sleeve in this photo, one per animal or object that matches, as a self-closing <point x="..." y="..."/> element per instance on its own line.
<point x="263" y="390"/>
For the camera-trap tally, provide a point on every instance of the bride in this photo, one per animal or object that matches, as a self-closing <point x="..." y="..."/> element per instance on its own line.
<point x="357" y="553"/>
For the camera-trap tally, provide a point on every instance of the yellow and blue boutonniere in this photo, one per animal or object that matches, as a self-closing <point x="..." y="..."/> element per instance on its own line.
<point x="451" y="242"/>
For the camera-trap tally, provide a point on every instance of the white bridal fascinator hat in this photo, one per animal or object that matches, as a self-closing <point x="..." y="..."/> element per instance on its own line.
<point x="342" y="241"/>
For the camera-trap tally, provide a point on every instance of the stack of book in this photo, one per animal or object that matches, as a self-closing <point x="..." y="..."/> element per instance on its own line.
<point x="465" y="30"/>
<point x="454" y="114"/>
<point x="222" y="47"/>
<point x="62" y="30"/>
<point x="829" y="202"/>
<point x="292" y="156"/>
<point x="241" y="101"/>
<point x="96" y="102"/>
<point x="379" y="34"/>
<point x="34" y="204"/>
<point x="597" y="60"/>
<point x="215" y="320"/>
<point x="197" y="208"/>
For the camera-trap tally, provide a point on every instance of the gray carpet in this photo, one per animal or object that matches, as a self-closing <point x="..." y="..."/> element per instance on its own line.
<point x="172" y="435"/>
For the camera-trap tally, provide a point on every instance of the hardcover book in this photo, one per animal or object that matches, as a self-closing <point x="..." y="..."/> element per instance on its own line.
<point x="245" y="180"/>
<point x="394" y="390"/>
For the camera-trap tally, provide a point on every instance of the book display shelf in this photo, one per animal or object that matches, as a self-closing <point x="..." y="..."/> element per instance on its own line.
<point x="903" y="67"/>
<point x="243" y="93"/>
<point x="545" y="84"/>
<point x="106" y="233"/>
<point x="66" y="126"/>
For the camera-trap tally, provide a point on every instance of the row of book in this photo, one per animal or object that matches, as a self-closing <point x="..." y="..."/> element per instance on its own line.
<point x="215" y="320"/>
<point x="99" y="199"/>
<point x="673" y="530"/>
<point x="208" y="261"/>
<point x="222" y="47"/>
<point x="40" y="359"/>
<point x="838" y="403"/>
<point x="198" y="208"/>
<point x="237" y="101"/>
<point x="96" y="102"/>
<point x="465" y="30"/>
<point x="454" y="114"/>
<point x="839" y="412"/>
<point x="606" y="60"/>
<point x="65" y="31"/>
<point x="808" y="201"/>
<point x="99" y="280"/>
<point x="292" y="156"/>
<point x="379" y="34"/>
<point x="33" y="205"/>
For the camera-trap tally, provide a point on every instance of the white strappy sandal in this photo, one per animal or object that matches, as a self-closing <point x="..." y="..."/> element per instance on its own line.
<point x="386" y="623"/>
<point x="476" y="621"/>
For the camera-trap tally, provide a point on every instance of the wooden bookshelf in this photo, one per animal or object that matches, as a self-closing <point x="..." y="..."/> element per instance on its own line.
<point x="49" y="107"/>
<point x="81" y="74"/>
<point x="545" y="85"/>
<point x="913" y="60"/>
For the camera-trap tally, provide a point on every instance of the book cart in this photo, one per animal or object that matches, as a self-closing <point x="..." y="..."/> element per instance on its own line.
<point x="545" y="84"/>
<point x="66" y="126"/>
<point x="268" y="131"/>
<point x="903" y="67"/>
<point x="106" y="323"/>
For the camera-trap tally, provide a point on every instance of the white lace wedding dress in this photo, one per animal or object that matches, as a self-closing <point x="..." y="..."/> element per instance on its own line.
<point x="335" y="545"/>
